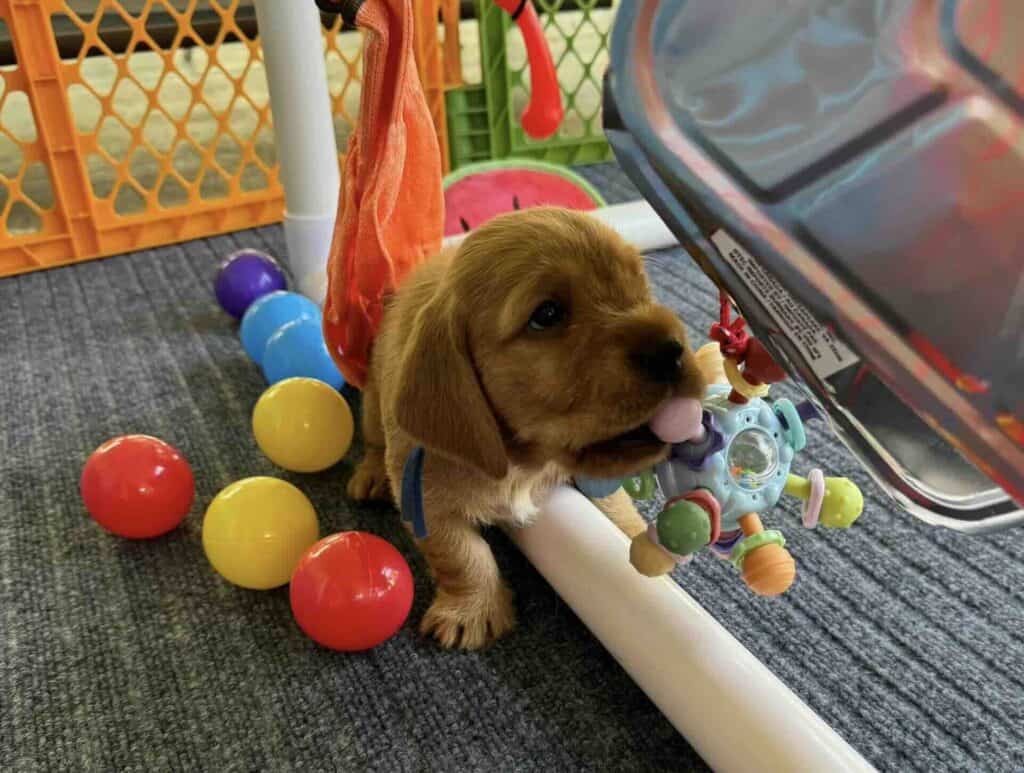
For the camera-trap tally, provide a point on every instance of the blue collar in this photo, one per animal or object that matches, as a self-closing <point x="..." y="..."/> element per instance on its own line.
<point x="412" y="492"/>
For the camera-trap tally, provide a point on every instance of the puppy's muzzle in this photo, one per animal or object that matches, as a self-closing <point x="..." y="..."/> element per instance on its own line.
<point x="660" y="361"/>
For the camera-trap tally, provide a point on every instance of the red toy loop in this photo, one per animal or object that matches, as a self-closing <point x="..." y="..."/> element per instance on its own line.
<point x="732" y="336"/>
<point x="543" y="114"/>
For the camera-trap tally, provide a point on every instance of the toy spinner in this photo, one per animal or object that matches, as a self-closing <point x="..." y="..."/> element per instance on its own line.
<point x="734" y="468"/>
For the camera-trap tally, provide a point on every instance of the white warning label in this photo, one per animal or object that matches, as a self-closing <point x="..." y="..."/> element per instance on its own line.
<point x="825" y="353"/>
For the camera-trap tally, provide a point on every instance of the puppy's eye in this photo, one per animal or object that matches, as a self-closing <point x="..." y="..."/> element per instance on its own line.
<point x="547" y="315"/>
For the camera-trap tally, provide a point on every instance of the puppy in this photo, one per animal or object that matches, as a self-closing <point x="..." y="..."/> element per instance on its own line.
<point x="532" y="353"/>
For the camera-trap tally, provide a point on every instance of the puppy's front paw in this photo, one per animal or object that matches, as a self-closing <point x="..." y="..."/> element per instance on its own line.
<point x="369" y="481"/>
<point x="469" y="622"/>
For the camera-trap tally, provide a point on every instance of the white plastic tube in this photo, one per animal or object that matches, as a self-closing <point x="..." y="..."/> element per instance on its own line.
<point x="635" y="221"/>
<point x="727" y="704"/>
<point x="639" y="224"/>
<point x="303" y="134"/>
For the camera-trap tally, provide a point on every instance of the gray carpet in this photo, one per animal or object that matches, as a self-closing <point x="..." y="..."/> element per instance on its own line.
<point x="122" y="655"/>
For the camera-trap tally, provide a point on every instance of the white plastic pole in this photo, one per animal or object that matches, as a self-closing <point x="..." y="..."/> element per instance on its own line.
<point x="639" y="224"/>
<point x="635" y="221"/>
<point x="303" y="134"/>
<point x="727" y="704"/>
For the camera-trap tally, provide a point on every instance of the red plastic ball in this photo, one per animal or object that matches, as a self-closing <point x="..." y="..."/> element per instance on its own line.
<point x="351" y="591"/>
<point x="137" y="486"/>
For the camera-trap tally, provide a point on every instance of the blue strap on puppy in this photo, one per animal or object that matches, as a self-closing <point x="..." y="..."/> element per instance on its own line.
<point x="412" y="492"/>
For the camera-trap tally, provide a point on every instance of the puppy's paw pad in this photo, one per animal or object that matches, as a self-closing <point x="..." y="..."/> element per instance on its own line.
<point x="369" y="481"/>
<point x="469" y="622"/>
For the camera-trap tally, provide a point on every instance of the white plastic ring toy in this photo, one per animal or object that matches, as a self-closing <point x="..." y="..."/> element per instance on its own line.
<point x="812" y="508"/>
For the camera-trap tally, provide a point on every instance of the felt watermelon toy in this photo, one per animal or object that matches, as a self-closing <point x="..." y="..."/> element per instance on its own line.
<point x="475" y="193"/>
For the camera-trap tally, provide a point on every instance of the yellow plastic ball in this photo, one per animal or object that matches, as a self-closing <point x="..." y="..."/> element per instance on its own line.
<point x="302" y="425"/>
<point x="256" y="530"/>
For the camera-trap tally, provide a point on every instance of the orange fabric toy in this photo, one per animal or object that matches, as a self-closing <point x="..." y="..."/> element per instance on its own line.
<point x="391" y="208"/>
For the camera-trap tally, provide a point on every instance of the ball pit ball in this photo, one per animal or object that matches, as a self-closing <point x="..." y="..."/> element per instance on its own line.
<point x="268" y="314"/>
<point x="351" y="591"/>
<point x="298" y="350"/>
<point x="256" y="530"/>
<point x="245" y="276"/>
<point x="302" y="425"/>
<point x="137" y="486"/>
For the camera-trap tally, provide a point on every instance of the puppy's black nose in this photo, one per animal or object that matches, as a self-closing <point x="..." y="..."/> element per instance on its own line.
<point x="660" y="361"/>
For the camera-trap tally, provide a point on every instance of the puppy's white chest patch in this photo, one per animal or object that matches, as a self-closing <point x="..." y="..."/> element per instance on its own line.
<point x="521" y="492"/>
<point x="522" y="505"/>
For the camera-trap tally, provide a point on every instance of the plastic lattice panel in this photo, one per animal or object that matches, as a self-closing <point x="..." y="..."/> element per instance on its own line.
<point x="483" y="115"/>
<point x="167" y="125"/>
<point x="26" y="192"/>
<point x="158" y="124"/>
<point x="577" y="33"/>
<point x="578" y="40"/>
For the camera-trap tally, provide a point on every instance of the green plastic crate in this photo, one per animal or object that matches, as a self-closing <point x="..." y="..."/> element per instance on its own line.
<point x="483" y="118"/>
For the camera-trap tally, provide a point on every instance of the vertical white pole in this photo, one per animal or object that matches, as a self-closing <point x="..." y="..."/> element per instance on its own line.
<point x="304" y="135"/>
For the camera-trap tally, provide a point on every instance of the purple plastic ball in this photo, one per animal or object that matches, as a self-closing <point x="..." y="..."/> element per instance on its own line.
<point x="245" y="276"/>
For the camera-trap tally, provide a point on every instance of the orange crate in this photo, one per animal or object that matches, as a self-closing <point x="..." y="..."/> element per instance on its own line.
<point x="157" y="123"/>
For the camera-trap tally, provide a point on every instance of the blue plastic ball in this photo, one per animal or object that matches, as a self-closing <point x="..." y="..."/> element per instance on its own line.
<point x="268" y="315"/>
<point x="245" y="276"/>
<point x="298" y="349"/>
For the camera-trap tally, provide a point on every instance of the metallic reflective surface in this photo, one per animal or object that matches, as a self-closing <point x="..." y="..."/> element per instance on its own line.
<point x="870" y="154"/>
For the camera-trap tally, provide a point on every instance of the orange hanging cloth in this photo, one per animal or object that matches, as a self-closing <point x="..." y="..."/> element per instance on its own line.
<point x="391" y="207"/>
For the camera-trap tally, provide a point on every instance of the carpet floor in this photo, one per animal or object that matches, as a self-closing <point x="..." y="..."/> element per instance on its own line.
<point x="118" y="656"/>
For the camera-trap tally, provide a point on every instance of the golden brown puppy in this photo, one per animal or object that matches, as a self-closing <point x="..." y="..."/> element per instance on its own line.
<point x="532" y="353"/>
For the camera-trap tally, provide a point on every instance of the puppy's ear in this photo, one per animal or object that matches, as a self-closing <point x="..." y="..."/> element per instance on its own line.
<point x="440" y="400"/>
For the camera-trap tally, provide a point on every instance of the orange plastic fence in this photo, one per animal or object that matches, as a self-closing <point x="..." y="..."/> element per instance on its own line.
<point x="439" y="62"/>
<point x="157" y="125"/>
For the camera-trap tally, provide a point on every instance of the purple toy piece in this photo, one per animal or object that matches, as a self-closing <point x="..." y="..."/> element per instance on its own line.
<point x="696" y="454"/>
<point x="807" y="412"/>
<point x="245" y="276"/>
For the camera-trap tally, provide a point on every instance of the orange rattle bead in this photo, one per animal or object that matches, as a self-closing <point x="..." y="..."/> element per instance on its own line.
<point x="768" y="568"/>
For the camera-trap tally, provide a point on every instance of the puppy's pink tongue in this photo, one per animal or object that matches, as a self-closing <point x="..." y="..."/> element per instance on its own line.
<point x="678" y="420"/>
